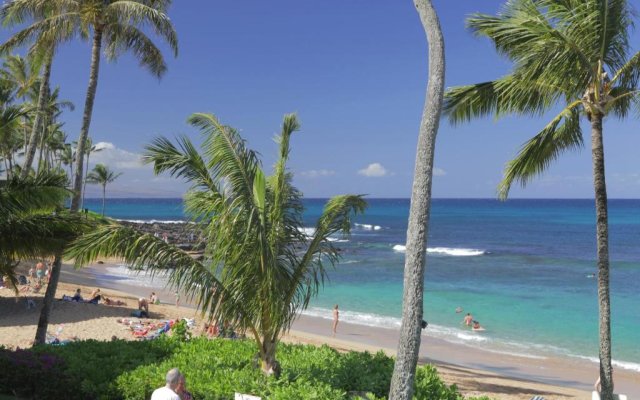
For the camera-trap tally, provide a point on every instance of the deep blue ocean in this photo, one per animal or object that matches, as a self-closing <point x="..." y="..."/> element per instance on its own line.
<point x="523" y="268"/>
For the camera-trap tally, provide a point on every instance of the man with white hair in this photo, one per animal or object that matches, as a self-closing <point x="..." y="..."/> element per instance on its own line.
<point x="168" y="392"/>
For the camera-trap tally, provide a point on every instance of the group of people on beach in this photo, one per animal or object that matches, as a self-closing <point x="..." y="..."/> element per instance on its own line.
<point x="175" y="387"/>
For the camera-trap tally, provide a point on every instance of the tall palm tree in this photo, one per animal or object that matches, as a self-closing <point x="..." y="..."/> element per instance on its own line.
<point x="570" y="53"/>
<point x="260" y="269"/>
<point x="45" y="33"/>
<point x="117" y="25"/>
<point x="10" y="126"/>
<point x="102" y="175"/>
<point x="418" y="228"/>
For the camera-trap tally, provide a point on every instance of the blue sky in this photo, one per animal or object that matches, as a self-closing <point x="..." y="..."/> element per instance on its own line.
<point x="355" y="72"/>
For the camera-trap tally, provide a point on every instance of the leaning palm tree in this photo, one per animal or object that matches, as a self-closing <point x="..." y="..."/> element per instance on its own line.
<point x="569" y="53"/>
<point x="102" y="175"/>
<point x="260" y="269"/>
<point x="404" y="371"/>
<point x="117" y="25"/>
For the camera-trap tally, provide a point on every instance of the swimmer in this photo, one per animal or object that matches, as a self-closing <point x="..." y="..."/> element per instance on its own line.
<point x="458" y="310"/>
<point x="468" y="319"/>
<point x="476" y="326"/>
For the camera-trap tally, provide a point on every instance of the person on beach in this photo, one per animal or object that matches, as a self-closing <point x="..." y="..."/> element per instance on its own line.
<point x="153" y="299"/>
<point x="95" y="297"/>
<point x="143" y="305"/>
<point x="476" y="326"/>
<point x="336" y="318"/>
<point x="181" y="390"/>
<point x="468" y="319"/>
<point x="110" y="302"/>
<point x="165" y="237"/>
<point x="39" y="271"/>
<point x="177" y="299"/>
<point x="77" y="296"/>
<point x="168" y="392"/>
<point x="32" y="273"/>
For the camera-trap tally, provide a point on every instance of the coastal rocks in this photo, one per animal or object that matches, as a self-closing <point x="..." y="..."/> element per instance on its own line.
<point x="185" y="235"/>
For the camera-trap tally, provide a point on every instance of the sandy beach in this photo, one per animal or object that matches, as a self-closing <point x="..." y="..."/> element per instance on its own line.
<point x="474" y="370"/>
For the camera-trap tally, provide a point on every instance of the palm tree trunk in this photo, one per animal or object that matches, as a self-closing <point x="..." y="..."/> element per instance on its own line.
<point x="412" y="310"/>
<point x="602" y="232"/>
<point x="268" y="360"/>
<point x="35" y="130"/>
<point x="104" y="194"/>
<point x="43" y="322"/>
<point x="86" y="119"/>
<point x="84" y="182"/>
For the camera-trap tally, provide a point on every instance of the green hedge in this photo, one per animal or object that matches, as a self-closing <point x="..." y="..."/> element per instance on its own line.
<point x="215" y="369"/>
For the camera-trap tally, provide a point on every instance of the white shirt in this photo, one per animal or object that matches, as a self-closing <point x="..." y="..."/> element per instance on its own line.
<point x="164" y="393"/>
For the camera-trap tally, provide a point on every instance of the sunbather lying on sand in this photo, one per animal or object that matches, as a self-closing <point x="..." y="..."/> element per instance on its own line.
<point x="110" y="302"/>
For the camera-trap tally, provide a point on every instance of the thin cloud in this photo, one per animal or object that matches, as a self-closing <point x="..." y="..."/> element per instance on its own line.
<point x="317" y="173"/>
<point x="115" y="157"/>
<point x="439" y="172"/>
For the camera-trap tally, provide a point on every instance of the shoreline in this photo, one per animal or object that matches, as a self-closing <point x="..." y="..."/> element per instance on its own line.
<point x="474" y="370"/>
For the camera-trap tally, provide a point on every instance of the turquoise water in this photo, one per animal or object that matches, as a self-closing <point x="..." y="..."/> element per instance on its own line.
<point x="521" y="268"/>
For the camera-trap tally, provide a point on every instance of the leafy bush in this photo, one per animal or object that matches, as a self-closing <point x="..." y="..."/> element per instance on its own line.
<point x="30" y="375"/>
<point x="428" y="385"/>
<point x="215" y="369"/>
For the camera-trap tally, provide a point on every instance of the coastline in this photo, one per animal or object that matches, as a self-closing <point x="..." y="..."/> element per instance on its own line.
<point x="474" y="370"/>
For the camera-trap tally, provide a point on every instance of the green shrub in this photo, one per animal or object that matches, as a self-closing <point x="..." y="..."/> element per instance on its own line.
<point x="215" y="370"/>
<point x="428" y="385"/>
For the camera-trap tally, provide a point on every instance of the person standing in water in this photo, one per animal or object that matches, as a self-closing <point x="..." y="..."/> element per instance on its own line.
<point x="468" y="319"/>
<point x="336" y="318"/>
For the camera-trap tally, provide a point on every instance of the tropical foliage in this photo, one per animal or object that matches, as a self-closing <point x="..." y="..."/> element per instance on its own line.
<point x="32" y="221"/>
<point x="260" y="268"/>
<point x="102" y="175"/>
<point x="575" y="55"/>
<point x="214" y="369"/>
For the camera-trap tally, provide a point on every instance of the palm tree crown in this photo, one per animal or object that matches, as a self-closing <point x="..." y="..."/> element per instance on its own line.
<point x="569" y="53"/>
<point x="260" y="269"/>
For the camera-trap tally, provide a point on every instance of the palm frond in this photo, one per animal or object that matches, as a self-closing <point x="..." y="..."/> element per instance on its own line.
<point x="508" y="95"/>
<point x="561" y="134"/>
<point x="123" y="38"/>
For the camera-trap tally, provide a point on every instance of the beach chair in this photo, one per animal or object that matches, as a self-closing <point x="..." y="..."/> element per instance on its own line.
<point x="596" y="396"/>
<point x="537" y="398"/>
<point x="240" y="396"/>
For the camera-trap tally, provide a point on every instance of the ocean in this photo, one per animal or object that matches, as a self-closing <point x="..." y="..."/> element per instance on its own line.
<point x="523" y="268"/>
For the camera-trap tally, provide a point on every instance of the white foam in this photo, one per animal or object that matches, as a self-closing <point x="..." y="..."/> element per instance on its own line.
<point x="154" y="221"/>
<point x="126" y="275"/>
<point x="455" y="252"/>
<point x="622" y="364"/>
<point x="368" y="227"/>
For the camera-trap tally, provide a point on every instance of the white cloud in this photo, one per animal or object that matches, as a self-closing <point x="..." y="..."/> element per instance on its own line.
<point x="439" y="172"/>
<point x="375" y="170"/>
<point x="116" y="157"/>
<point x="317" y="173"/>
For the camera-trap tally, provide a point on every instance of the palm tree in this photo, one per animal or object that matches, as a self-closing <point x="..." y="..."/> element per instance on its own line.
<point x="418" y="228"/>
<point x="90" y="148"/>
<point x="102" y="175"/>
<point x="569" y="53"/>
<point x="23" y="75"/>
<point x="10" y="127"/>
<point x="117" y="25"/>
<point x="45" y="33"/>
<point x="33" y="225"/>
<point x="260" y="269"/>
